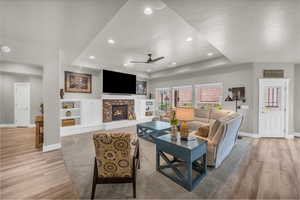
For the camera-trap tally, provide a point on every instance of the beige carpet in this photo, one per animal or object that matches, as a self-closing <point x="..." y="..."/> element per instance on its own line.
<point x="79" y="154"/>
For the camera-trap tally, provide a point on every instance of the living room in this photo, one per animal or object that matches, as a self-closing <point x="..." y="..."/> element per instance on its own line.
<point x="174" y="99"/>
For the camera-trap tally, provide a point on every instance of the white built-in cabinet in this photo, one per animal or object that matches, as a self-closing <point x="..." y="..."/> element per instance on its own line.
<point x="145" y="109"/>
<point x="86" y="113"/>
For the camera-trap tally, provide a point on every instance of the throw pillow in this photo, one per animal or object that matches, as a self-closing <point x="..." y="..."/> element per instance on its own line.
<point x="203" y="131"/>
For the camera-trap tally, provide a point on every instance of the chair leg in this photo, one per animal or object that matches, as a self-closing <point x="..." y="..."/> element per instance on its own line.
<point x="94" y="180"/>
<point x="134" y="188"/>
<point x="139" y="164"/>
<point x="93" y="189"/>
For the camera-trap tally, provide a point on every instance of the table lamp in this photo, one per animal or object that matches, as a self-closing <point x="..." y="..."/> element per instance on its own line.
<point x="184" y="114"/>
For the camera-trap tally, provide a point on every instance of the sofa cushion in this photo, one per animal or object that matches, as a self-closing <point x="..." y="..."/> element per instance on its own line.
<point x="202" y="113"/>
<point x="217" y="114"/>
<point x="194" y="125"/>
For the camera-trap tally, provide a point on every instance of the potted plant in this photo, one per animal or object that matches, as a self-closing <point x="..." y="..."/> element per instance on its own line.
<point x="174" y="124"/>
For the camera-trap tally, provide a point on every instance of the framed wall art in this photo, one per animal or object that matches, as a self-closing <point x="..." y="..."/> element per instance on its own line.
<point x="141" y="87"/>
<point x="78" y="82"/>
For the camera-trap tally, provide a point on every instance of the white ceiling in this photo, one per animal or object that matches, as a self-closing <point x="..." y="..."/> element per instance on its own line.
<point x="241" y="30"/>
<point x="246" y="30"/>
<point x="31" y="27"/>
<point x="135" y="34"/>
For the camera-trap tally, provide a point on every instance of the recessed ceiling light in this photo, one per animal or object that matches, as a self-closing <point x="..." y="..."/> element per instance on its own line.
<point x="149" y="70"/>
<point x="189" y="39"/>
<point x="210" y="54"/>
<point x="148" y="11"/>
<point x="92" y="57"/>
<point x="5" y="49"/>
<point x="111" y="41"/>
<point x="125" y="64"/>
<point x="174" y="63"/>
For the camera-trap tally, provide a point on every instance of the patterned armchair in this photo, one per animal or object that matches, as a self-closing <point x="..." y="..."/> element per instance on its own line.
<point x="117" y="158"/>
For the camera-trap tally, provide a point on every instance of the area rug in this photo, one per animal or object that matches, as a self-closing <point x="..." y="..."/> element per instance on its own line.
<point x="78" y="151"/>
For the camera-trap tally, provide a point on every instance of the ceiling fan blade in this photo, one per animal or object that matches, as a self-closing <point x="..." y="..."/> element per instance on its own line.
<point x="157" y="59"/>
<point x="137" y="62"/>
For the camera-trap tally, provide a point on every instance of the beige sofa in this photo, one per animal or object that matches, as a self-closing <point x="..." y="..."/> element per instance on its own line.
<point x="223" y="130"/>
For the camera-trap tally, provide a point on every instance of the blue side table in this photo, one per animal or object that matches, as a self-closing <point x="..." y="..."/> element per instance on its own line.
<point x="186" y="154"/>
<point x="150" y="130"/>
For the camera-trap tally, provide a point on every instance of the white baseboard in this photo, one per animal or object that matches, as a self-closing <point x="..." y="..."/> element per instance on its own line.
<point x="255" y="135"/>
<point x="245" y="134"/>
<point x="296" y="134"/>
<point x="51" y="147"/>
<point x="73" y="130"/>
<point x="289" y="136"/>
<point x="14" y="125"/>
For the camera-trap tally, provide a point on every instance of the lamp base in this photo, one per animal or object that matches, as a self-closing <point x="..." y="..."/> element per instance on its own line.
<point x="184" y="131"/>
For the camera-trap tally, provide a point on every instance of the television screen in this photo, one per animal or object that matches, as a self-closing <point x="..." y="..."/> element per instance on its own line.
<point x="120" y="83"/>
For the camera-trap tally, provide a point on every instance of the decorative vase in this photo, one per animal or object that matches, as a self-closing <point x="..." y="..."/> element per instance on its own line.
<point x="174" y="132"/>
<point x="62" y="93"/>
<point x="68" y="113"/>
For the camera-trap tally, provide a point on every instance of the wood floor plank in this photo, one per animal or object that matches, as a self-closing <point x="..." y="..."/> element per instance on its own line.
<point x="28" y="173"/>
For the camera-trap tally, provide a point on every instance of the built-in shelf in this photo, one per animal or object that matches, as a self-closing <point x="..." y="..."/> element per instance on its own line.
<point x="69" y="109"/>
<point x="71" y="117"/>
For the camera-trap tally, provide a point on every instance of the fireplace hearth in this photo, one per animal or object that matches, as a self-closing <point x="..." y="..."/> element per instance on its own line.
<point x="119" y="112"/>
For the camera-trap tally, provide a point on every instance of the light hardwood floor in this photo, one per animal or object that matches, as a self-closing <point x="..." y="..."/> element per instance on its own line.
<point x="27" y="173"/>
<point x="270" y="170"/>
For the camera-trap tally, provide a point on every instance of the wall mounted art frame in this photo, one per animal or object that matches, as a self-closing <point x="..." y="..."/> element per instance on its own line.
<point x="78" y="82"/>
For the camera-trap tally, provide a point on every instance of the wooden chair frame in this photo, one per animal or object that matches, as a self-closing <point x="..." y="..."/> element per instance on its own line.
<point x="132" y="179"/>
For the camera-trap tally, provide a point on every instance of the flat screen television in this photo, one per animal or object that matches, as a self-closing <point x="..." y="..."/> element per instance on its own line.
<point x="118" y="83"/>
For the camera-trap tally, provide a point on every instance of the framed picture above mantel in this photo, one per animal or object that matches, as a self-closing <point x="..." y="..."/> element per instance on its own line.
<point x="78" y="82"/>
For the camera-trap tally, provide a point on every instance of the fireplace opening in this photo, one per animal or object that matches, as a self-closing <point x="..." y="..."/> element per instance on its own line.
<point x="119" y="112"/>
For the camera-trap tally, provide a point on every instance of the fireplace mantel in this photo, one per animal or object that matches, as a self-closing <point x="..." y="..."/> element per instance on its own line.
<point x="108" y="96"/>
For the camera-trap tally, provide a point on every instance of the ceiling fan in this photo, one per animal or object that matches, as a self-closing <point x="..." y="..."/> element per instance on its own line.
<point x="150" y="60"/>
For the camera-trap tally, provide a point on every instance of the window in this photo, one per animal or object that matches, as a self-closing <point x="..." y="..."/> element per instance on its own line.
<point x="209" y="94"/>
<point x="183" y="96"/>
<point x="163" y="99"/>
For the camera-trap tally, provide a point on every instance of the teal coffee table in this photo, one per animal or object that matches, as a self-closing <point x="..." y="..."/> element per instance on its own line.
<point x="185" y="167"/>
<point x="150" y="130"/>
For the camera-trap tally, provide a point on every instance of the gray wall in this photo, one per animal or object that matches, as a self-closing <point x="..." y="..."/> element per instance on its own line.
<point x="7" y="81"/>
<point x="297" y="99"/>
<point x="230" y="76"/>
<point x="247" y="75"/>
<point x="96" y="82"/>
<point x="289" y="70"/>
<point x="1" y="99"/>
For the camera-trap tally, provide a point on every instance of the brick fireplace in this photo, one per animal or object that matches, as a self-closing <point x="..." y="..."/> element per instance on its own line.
<point x="118" y="109"/>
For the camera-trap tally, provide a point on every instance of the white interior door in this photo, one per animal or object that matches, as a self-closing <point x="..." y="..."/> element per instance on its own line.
<point x="273" y="96"/>
<point x="22" y="104"/>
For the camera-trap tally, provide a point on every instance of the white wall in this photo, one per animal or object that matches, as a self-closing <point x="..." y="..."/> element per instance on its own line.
<point x="7" y="95"/>
<point x="230" y="76"/>
<point x="297" y="99"/>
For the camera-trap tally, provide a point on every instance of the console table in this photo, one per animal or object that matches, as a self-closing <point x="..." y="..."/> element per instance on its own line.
<point x="186" y="154"/>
